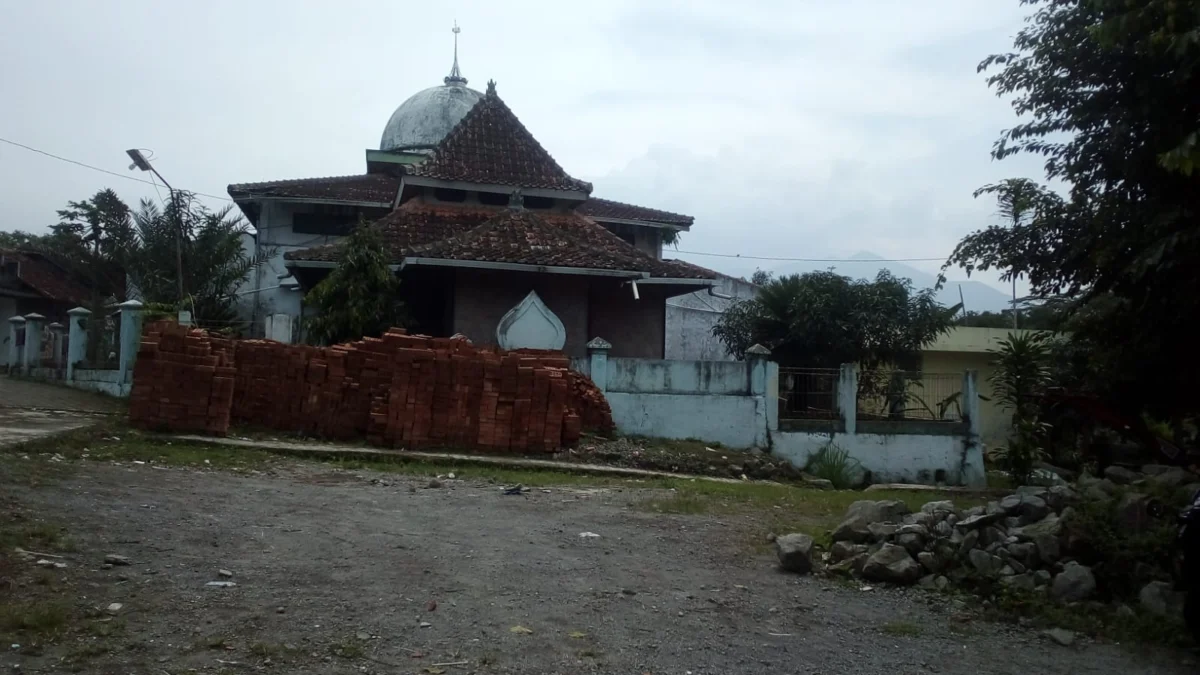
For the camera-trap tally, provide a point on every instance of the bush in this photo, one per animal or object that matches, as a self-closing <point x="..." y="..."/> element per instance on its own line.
<point x="834" y="464"/>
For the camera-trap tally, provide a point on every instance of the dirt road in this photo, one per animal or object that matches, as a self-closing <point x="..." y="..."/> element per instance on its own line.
<point x="339" y="574"/>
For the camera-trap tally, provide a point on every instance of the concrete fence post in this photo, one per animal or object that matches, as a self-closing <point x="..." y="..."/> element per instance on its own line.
<point x="597" y="351"/>
<point x="34" y="325"/>
<point x="16" y="336"/>
<point x="56" y="340"/>
<point x="756" y="362"/>
<point x="77" y="338"/>
<point x="973" y="472"/>
<point x="131" y="336"/>
<point x="847" y="397"/>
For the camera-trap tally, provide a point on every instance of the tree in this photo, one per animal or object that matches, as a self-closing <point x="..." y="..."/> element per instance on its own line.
<point x="215" y="262"/>
<point x="823" y="320"/>
<point x="1106" y="93"/>
<point x="359" y="298"/>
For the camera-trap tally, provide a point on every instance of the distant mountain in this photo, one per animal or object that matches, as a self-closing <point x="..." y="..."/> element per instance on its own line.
<point x="977" y="296"/>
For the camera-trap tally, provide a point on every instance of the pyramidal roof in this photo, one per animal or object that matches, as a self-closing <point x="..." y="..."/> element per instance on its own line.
<point x="490" y="145"/>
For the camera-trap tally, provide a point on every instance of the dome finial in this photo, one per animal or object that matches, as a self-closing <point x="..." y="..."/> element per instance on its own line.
<point x="455" y="77"/>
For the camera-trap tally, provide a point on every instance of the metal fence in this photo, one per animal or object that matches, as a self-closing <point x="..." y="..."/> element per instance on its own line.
<point x="104" y="342"/>
<point x="808" y="393"/>
<point x="905" y="395"/>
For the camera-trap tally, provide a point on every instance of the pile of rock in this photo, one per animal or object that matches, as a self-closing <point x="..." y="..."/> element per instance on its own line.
<point x="1023" y="542"/>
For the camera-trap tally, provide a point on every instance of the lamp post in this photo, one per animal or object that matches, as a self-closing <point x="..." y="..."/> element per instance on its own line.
<point x="140" y="162"/>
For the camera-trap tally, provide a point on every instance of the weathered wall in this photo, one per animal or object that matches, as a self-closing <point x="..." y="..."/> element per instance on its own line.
<point x="104" y="381"/>
<point x="655" y="376"/>
<point x="728" y="420"/>
<point x="994" y="421"/>
<point x="690" y="319"/>
<point x="894" y="458"/>
<point x="634" y="327"/>
<point x="482" y="297"/>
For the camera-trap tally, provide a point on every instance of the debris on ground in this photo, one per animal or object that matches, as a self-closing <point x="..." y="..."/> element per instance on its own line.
<point x="113" y="559"/>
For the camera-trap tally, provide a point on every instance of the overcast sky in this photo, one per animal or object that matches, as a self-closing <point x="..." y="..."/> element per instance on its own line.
<point x="787" y="128"/>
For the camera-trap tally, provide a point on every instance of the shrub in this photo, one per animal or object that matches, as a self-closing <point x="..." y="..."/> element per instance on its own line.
<point x="834" y="464"/>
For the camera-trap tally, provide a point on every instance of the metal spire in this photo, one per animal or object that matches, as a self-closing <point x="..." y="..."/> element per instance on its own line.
<point x="455" y="77"/>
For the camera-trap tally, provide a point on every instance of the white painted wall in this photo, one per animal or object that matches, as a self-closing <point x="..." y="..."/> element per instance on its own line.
<point x="892" y="458"/>
<point x="732" y="421"/>
<point x="690" y="320"/>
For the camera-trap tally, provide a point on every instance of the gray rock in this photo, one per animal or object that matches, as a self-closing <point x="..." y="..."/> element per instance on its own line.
<point x="941" y="583"/>
<point x="892" y="564"/>
<point x="1156" y="469"/>
<point x="113" y="559"/>
<point x="1120" y="475"/>
<point x="853" y="529"/>
<point x="1007" y="571"/>
<point x="1039" y="491"/>
<point x="1042" y="577"/>
<point x="928" y="581"/>
<point x="1023" y="552"/>
<point x="943" y="529"/>
<point x="843" y="550"/>
<point x="1032" y="509"/>
<point x="1061" y="496"/>
<point x="920" y="518"/>
<point x="1001" y="551"/>
<point x="884" y="511"/>
<point x="882" y="531"/>
<point x="1010" y="504"/>
<point x="912" y="542"/>
<point x="976" y="522"/>
<point x="993" y="509"/>
<point x="1061" y="636"/>
<point x="795" y="552"/>
<point x="913" y="529"/>
<point x="1048" y="548"/>
<point x="974" y="511"/>
<point x="1074" y="584"/>
<point x="929" y="561"/>
<point x="993" y="535"/>
<point x="1013" y="521"/>
<point x="969" y="542"/>
<point x="952" y="519"/>
<point x="1175" y="477"/>
<point x="1126" y="612"/>
<point x="1017" y="566"/>
<point x="1020" y="582"/>
<point x="944" y="506"/>
<point x="985" y="563"/>
<point x="1161" y="599"/>
<point x="1188" y="492"/>
<point x="1051" y="525"/>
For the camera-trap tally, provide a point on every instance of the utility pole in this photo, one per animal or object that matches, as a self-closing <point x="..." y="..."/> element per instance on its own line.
<point x="140" y="162"/>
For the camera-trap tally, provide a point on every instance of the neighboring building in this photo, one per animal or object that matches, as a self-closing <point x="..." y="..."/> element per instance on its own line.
<point x="31" y="283"/>
<point x="968" y="348"/>
<point x="475" y="215"/>
<point x="691" y="318"/>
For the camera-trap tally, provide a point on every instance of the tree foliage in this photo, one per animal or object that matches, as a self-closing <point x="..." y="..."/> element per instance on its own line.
<point x="1105" y="90"/>
<point x="359" y="298"/>
<point x="823" y="320"/>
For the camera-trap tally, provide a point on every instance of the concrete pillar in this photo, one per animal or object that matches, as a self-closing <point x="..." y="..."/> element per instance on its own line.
<point x="34" y="325"/>
<point x="56" y="343"/>
<point x="77" y="338"/>
<point x="847" y="397"/>
<point x="597" y="351"/>
<point x="772" y="396"/>
<point x="756" y="361"/>
<point x="131" y="336"/>
<point x="16" y="337"/>
<point x="973" y="472"/>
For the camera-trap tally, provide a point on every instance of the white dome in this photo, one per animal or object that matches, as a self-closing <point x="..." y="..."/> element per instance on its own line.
<point x="428" y="115"/>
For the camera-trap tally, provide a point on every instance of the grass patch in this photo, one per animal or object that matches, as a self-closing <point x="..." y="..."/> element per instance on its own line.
<point x="42" y="537"/>
<point x="901" y="628"/>
<point x="1095" y="620"/>
<point x="39" y="618"/>
<point x="348" y="648"/>
<point x="105" y="628"/>
<point x="267" y="650"/>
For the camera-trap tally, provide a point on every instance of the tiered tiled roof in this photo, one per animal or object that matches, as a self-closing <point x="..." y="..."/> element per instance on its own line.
<point x="371" y="187"/>
<point x="601" y="209"/>
<point x="46" y="278"/>
<point x="550" y="239"/>
<point x="490" y="145"/>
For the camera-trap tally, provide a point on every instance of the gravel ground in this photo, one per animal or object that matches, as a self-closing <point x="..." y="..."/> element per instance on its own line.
<point x="339" y="572"/>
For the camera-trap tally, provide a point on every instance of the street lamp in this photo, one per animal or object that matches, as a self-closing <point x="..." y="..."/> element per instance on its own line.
<point x="140" y="162"/>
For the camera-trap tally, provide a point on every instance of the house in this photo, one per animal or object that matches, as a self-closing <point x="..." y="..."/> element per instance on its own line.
<point x="969" y="348"/>
<point x="692" y="317"/>
<point x="31" y="283"/>
<point x="479" y="221"/>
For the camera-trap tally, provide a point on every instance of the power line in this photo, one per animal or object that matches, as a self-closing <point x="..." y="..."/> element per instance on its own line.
<point x="96" y="168"/>
<point x="824" y="260"/>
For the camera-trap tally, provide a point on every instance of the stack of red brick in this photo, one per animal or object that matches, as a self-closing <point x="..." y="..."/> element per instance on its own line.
<point x="411" y="391"/>
<point x="183" y="380"/>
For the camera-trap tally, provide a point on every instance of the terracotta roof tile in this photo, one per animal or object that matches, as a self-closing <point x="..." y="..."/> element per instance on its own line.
<point x="606" y="208"/>
<point x="369" y="187"/>
<point x="490" y="145"/>
<point x="46" y="278"/>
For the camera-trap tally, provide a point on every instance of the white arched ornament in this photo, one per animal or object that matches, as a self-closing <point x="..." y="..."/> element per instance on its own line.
<point x="530" y="325"/>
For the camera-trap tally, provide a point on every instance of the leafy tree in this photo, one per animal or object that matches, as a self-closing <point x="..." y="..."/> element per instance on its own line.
<point x="760" y="277"/>
<point x="1049" y="314"/>
<point x="1106" y="93"/>
<point x="215" y="263"/>
<point x="359" y="298"/>
<point x="823" y="320"/>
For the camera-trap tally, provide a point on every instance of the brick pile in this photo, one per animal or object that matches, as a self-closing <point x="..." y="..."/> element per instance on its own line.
<point x="183" y="380"/>
<point x="411" y="391"/>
